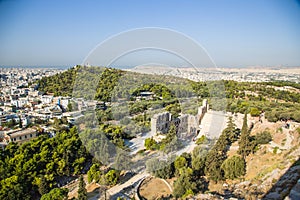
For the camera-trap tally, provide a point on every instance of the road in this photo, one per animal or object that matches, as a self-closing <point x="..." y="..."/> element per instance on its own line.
<point x="137" y="143"/>
<point x="118" y="188"/>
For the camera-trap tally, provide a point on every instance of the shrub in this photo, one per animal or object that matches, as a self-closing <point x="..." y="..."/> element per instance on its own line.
<point x="160" y="168"/>
<point x="112" y="177"/>
<point x="263" y="138"/>
<point x="201" y="140"/>
<point x="275" y="150"/>
<point x="254" y="112"/>
<point x="150" y="144"/>
<point x="234" y="167"/>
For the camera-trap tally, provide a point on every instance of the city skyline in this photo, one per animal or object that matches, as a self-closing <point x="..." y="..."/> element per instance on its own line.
<point x="234" y="33"/>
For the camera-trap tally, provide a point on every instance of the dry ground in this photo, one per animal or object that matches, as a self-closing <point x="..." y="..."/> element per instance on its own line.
<point x="265" y="165"/>
<point x="91" y="188"/>
<point x="154" y="188"/>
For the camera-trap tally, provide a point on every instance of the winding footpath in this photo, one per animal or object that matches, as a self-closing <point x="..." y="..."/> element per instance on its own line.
<point x="118" y="188"/>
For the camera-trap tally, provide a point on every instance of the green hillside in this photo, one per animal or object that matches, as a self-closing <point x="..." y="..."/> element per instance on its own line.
<point x="103" y="84"/>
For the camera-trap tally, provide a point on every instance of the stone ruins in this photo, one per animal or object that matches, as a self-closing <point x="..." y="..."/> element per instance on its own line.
<point x="186" y="124"/>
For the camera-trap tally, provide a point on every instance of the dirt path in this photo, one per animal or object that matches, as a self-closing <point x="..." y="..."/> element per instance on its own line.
<point x="116" y="189"/>
<point x="289" y="139"/>
<point x="73" y="187"/>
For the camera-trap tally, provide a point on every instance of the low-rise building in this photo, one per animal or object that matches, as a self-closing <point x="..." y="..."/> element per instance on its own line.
<point x="20" y="135"/>
<point x="64" y="102"/>
<point x="46" y="99"/>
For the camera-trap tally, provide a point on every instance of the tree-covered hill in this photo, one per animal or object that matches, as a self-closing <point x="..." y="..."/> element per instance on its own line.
<point x="59" y="84"/>
<point x="107" y="84"/>
<point x="32" y="169"/>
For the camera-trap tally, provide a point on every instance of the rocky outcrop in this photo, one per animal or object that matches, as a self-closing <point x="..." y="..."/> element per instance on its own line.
<point x="286" y="186"/>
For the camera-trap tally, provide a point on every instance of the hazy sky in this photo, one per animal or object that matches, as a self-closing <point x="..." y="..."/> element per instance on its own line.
<point x="234" y="32"/>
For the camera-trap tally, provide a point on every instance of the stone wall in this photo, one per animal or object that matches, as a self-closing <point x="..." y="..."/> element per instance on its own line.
<point x="182" y="124"/>
<point x="202" y="110"/>
<point x="160" y="123"/>
<point x="187" y="125"/>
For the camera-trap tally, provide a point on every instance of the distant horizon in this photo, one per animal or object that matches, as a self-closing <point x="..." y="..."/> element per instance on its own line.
<point x="62" y="67"/>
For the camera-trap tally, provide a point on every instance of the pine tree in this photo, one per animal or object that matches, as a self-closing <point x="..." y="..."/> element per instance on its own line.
<point x="244" y="142"/>
<point x="82" y="193"/>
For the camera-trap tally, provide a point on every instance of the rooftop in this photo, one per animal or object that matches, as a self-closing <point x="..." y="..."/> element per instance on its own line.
<point x="22" y="132"/>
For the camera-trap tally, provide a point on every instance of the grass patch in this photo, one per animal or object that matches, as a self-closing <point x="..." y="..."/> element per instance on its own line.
<point x="283" y="142"/>
<point x="275" y="150"/>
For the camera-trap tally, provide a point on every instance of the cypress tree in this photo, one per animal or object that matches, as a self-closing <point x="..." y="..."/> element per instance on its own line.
<point x="82" y="193"/>
<point x="230" y="131"/>
<point x="244" y="142"/>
